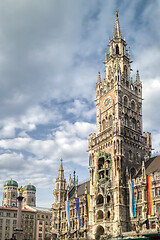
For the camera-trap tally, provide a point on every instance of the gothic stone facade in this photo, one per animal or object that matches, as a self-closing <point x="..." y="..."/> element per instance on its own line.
<point x="119" y="150"/>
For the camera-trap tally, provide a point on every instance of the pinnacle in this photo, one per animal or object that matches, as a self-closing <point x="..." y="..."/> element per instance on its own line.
<point x="99" y="77"/>
<point x="137" y="76"/>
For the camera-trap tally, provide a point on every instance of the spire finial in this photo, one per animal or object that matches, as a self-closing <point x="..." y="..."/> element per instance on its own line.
<point x="117" y="31"/>
<point x="117" y="13"/>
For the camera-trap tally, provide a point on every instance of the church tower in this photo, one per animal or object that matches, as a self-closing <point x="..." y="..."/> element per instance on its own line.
<point x="60" y="189"/>
<point x="119" y="146"/>
<point x="10" y="194"/>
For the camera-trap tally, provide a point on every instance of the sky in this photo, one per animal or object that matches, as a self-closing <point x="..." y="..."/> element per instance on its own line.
<point x="50" y="55"/>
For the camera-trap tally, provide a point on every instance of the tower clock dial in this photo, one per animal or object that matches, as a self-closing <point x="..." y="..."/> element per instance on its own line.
<point x="107" y="101"/>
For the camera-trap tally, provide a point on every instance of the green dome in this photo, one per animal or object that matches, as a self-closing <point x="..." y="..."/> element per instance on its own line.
<point x="10" y="183"/>
<point x="29" y="187"/>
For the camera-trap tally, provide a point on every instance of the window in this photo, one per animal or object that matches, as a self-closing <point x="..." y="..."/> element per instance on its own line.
<point x="15" y="215"/>
<point x="8" y="214"/>
<point x="133" y="105"/>
<point x="104" y="124"/>
<point x="1" y="214"/>
<point x="126" y="122"/>
<point x="134" y="124"/>
<point x="14" y="221"/>
<point x="140" y="211"/>
<point x="110" y="121"/>
<point x="153" y="192"/>
<point x="100" y="199"/>
<point x="117" y="49"/>
<point x="8" y="221"/>
<point x="158" y="191"/>
<point x="139" y="195"/>
<point x="99" y="215"/>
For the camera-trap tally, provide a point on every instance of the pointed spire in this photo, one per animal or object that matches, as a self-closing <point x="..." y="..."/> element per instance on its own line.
<point x="99" y="78"/>
<point x="74" y="177"/>
<point x="61" y="171"/>
<point x="61" y="165"/>
<point x="117" y="31"/>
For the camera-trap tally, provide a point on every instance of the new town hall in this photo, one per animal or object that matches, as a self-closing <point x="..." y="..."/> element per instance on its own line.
<point x="118" y="152"/>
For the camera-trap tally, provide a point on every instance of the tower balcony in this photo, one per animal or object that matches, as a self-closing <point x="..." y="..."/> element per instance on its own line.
<point x="104" y="135"/>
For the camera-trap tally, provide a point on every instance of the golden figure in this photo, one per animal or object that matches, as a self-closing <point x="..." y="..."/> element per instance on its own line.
<point x="20" y="191"/>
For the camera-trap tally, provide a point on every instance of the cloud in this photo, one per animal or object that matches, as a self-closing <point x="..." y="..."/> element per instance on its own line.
<point x="50" y="56"/>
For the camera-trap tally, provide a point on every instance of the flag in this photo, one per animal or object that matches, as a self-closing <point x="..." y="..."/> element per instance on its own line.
<point x="150" y="198"/>
<point x="68" y="214"/>
<point x="131" y="199"/>
<point x="88" y="202"/>
<point x="77" y="209"/>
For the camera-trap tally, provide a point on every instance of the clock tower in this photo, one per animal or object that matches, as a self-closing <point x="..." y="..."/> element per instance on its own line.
<point x="119" y="146"/>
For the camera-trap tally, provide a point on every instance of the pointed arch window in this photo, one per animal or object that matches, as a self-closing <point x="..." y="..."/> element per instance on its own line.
<point x="125" y="71"/>
<point x="117" y="49"/>
<point x="125" y="101"/>
<point x="133" y="106"/>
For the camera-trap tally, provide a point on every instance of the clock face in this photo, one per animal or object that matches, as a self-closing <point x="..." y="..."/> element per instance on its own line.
<point x="107" y="101"/>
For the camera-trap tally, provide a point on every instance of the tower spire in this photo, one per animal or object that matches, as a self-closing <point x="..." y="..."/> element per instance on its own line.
<point x="117" y="31"/>
<point x="61" y="171"/>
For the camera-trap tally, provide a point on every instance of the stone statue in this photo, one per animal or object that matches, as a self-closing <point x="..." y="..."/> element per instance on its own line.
<point x="20" y="191"/>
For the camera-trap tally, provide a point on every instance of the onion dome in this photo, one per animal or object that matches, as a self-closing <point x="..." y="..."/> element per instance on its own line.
<point x="29" y="188"/>
<point x="11" y="183"/>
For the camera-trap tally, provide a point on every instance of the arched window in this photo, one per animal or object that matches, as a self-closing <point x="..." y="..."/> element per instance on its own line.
<point x="125" y="101"/>
<point x="125" y="71"/>
<point x="136" y="90"/>
<point x="133" y="105"/>
<point x="117" y="49"/>
<point x="99" y="215"/>
<point x="108" y="216"/>
<point x="108" y="199"/>
<point x="99" y="231"/>
<point x="100" y="199"/>
<point x="104" y="124"/>
<point x="110" y="121"/>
